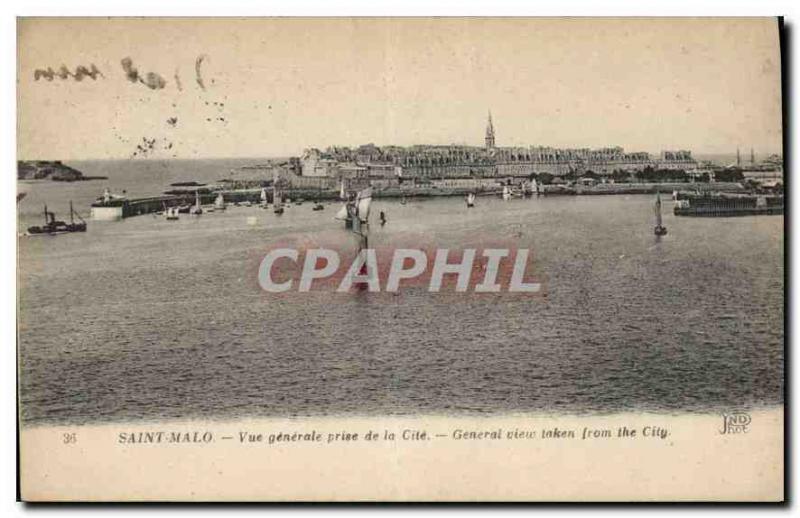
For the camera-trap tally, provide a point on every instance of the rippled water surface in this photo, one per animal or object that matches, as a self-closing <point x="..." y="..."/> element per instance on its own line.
<point x="152" y="319"/>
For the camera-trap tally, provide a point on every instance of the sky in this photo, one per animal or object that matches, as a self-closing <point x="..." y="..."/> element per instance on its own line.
<point x="263" y="87"/>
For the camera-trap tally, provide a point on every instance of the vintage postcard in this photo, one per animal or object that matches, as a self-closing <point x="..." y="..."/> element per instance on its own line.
<point x="400" y="259"/>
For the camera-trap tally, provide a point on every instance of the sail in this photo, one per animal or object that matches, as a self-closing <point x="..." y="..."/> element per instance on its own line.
<point x="263" y="195"/>
<point x="342" y="194"/>
<point x="342" y="214"/>
<point x="363" y="203"/>
<point x="197" y="199"/>
<point x="220" y="201"/>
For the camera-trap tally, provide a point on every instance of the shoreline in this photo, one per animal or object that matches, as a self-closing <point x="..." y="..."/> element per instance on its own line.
<point x="306" y="194"/>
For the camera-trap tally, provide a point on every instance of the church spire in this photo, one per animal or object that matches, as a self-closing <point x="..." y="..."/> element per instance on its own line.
<point x="489" y="132"/>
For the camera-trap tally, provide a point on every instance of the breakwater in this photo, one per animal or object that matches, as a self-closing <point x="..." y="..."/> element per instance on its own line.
<point x="127" y="207"/>
<point x="720" y="205"/>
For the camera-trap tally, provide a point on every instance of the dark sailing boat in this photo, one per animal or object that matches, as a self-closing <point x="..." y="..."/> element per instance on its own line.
<point x="660" y="229"/>
<point x="355" y="213"/>
<point x="52" y="226"/>
<point x="277" y="201"/>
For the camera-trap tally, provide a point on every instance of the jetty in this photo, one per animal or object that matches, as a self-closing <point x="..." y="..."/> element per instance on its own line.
<point x="116" y="208"/>
<point x="113" y="208"/>
<point x="722" y="205"/>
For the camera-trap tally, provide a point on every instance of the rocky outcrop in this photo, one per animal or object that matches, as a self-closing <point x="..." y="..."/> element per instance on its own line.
<point x="54" y="170"/>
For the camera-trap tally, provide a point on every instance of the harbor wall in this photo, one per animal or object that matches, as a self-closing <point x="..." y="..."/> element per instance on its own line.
<point x="435" y="188"/>
<point x="107" y="213"/>
<point x="721" y="205"/>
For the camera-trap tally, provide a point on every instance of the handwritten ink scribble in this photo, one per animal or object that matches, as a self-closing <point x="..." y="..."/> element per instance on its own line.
<point x="154" y="81"/>
<point x="150" y="146"/>
<point x="64" y="73"/>
<point x="172" y="121"/>
<point x="151" y="80"/>
<point x="198" y="73"/>
<point x="130" y="71"/>
<point x="178" y="81"/>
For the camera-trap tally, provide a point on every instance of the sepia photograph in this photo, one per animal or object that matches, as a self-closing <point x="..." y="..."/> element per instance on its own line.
<point x="433" y="259"/>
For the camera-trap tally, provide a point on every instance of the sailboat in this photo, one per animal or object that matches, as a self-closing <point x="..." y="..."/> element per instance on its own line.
<point x="470" y="200"/>
<point x="277" y="200"/>
<point x="527" y="189"/>
<point x="506" y="193"/>
<point x="355" y="212"/>
<point x="171" y="213"/>
<point x="219" y="203"/>
<point x="660" y="229"/>
<point x="198" y="209"/>
<point x="344" y="215"/>
<point x="363" y="203"/>
<point x="264" y="197"/>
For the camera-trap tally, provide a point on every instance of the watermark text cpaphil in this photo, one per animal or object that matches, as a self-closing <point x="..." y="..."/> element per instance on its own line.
<point x="489" y="270"/>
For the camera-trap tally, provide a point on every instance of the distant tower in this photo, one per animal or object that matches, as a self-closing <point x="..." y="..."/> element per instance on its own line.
<point x="738" y="157"/>
<point x="489" y="133"/>
<point x="752" y="157"/>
